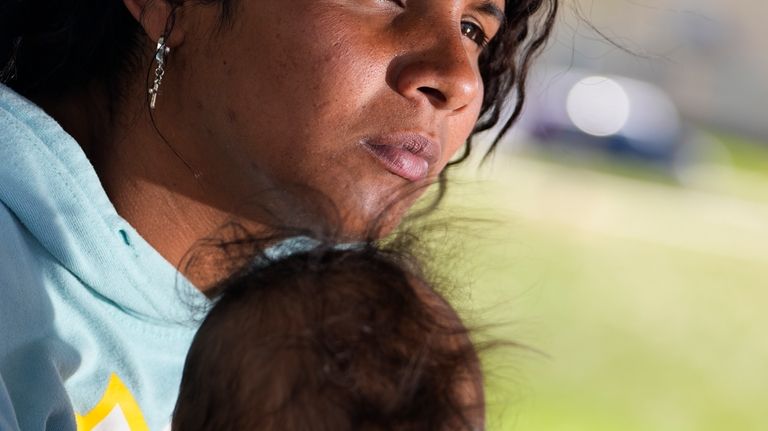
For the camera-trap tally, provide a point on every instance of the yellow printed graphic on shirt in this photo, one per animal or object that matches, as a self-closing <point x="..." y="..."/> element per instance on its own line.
<point x="117" y="411"/>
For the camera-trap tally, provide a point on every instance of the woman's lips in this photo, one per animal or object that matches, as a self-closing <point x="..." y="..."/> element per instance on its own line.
<point x="408" y="155"/>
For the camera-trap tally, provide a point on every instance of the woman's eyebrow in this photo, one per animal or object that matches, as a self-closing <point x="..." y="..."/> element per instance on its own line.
<point x="487" y="7"/>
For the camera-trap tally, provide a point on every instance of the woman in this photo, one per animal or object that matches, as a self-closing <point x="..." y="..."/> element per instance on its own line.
<point x="131" y="129"/>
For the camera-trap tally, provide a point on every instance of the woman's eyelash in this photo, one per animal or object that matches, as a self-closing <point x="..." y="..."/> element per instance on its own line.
<point x="469" y="29"/>
<point x="474" y="33"/>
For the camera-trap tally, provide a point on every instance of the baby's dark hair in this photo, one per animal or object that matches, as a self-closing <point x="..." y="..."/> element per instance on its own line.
<point x="331" y="338"/>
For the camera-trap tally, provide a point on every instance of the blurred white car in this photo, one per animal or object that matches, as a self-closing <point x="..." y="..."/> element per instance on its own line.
<point x="613" y="114"/>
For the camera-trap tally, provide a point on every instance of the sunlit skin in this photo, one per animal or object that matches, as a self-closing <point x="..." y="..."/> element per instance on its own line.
<point x="280" y="97"/>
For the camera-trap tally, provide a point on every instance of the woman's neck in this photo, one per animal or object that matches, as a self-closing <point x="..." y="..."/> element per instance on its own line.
<point x="148" y="183"/>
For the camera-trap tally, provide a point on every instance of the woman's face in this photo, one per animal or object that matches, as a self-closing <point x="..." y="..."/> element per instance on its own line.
<point x="356" y="99"/>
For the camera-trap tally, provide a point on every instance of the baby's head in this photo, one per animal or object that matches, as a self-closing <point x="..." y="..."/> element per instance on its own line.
<point x="331" y="339"/>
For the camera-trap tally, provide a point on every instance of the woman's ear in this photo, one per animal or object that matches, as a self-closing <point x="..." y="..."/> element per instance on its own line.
<point x="154" y="16"/>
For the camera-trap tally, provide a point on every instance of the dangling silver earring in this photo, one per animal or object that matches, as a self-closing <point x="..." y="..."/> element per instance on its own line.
<point x="161" y="53"/>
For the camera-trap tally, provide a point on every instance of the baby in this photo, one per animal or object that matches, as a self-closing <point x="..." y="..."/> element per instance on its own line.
<point x="331" y="339"/>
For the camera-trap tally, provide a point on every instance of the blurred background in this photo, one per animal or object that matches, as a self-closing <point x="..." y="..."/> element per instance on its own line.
<point x="628" y="235"/>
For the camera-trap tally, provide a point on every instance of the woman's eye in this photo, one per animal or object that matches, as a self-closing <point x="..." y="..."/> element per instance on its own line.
<point x="474" y="33"/>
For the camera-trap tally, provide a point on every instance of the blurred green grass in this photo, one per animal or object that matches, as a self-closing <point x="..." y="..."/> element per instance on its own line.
<point x="648" y="299"/>
<point x="745" y="154"/>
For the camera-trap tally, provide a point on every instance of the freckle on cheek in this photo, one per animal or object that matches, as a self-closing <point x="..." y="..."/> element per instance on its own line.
<point x="231" y="116"/>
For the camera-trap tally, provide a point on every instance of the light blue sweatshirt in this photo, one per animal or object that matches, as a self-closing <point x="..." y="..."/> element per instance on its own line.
<point x="94" y="323"/>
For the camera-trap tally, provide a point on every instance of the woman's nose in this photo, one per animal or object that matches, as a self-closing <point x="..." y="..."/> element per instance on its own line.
<point x="438" y="70"/>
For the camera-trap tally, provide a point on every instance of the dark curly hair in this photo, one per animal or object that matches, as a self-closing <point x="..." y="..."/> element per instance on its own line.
<point x="330" y="338"/>
<point x="52" y="47"/>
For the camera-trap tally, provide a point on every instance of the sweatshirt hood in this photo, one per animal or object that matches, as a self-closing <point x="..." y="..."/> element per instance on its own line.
<point x="49" y="184"/>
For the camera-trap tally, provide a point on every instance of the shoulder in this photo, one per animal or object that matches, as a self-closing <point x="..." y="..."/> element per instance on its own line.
<point x="28" y="351"/>
<point x="25" y="305"/>
<point x="8" y="419"/>
<point x="17" y="257"/>
<point x="24" y="301"/>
